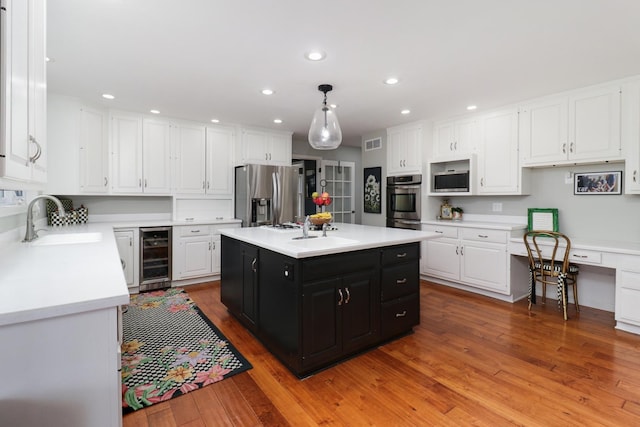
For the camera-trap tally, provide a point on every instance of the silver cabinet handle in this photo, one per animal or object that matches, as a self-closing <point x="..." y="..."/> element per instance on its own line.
<point x="140" y="182"/>
<point x="635" y="175"/>
<point x="483" y="236"/>
<point x="106" y="181"/>
<point x="579" y="256"/>
<point x="404" y="313"/>
<point x="564" y="148"/>
<point x="253" y="264"/>
<point x="401" y="281"/>
<point x="348" y="295"/>
<point x="124" y="264"/>
<point x="130" y="241"/>
<point x="209" y="245"/>
<point x="38" y="149"/>
<point x="266" y="156"/>
<point x="207" y="185"/>
<point x="214" y="246"/>
<point x="441" y="232"/>
<point x="455" y="146"/>
<point x="571" y="147"/>
<point x="402" y="255"/>
<point x="341" y="297"/>
<point x="195" y="231"/>
<point x="462" y="250"/>
<point x="145" y="183"/>
<point x="203" y="187"/>
<point x="451" y="146"/>
<point x="457" y="253"/>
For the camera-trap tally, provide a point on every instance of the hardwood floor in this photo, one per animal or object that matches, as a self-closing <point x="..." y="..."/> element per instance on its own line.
<point x="472" y="361"/>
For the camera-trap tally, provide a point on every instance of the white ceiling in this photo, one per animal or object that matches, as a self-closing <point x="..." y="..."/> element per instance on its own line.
<point x="204" y="59"/>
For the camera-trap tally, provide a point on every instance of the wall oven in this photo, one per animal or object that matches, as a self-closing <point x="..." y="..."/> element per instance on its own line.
<point x="403" y="201"/>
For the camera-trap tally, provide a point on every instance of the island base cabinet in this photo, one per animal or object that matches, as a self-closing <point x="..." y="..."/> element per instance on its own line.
<point x="240" y="279"/>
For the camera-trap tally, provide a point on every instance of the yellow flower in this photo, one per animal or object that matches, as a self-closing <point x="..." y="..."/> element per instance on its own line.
<point x="179" y="374"/>
<point x="150" y="304"/>
<point x="131" y="346"/>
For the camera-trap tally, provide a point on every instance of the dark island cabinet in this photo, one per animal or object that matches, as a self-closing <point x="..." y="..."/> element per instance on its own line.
<point x="314" y="312"/>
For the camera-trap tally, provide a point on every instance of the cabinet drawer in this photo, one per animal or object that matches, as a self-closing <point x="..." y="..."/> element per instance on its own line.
<point x="484" y="235"/>
<point x="403" y="253"/>
<point x="400" y="280"/>
<point x="451" y="232"/>
<point x="194" y="230"/>
<point x="585" y="256"/>
<point x="399" y="316"/>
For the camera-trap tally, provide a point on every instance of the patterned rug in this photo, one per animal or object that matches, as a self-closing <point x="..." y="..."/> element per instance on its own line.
<point x="170" y="348"/>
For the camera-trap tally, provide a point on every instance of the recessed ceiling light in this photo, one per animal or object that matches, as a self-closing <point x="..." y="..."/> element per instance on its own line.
<point x="315" y="55"/>
<point x="471" y="107"/>
<point x="391" y="81"/>
<point x="405" y="111"/>
<point x="154" y="112"/>
<point x="277" y="121"/>
<point x="215" y="121"/>
<point x="267" y="92"/>
<point x="108" y="96"/>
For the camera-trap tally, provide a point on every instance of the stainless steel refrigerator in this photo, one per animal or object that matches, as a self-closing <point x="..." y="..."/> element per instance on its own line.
<point x="268" y="195"/>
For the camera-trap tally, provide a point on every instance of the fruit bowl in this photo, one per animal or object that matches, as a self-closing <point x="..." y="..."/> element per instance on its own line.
<point x="319" y="221"/>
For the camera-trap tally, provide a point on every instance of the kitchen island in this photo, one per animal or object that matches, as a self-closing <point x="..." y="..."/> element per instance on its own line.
<point x="317" y="301"/>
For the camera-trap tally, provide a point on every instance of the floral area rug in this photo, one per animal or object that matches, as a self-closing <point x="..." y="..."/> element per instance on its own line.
<point x="170" y="348"/>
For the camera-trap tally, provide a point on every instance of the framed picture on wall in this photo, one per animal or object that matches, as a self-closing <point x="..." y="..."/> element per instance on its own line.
<point x="598" y="183"/>
<point x="372" y="190"/>
<point x="543" y="219"/>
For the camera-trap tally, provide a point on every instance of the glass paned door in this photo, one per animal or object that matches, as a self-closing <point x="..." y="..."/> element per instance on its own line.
<point x="338" y="178"/>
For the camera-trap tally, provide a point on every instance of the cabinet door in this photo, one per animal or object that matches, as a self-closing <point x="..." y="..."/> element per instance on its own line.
<point x="215" y="254"/>
<point x="498" y="160"/>
<point x="126" y="145"/>
<point x="395" y="152"/>
<point x="279" y="149"/>
<point x="255" y="147"/>
<point x="594" y="124"/>
<point x="190" y="152"/>
<point x="361" y="305"/>
<point x="321" y="322"/>
<point x="484" y="265"/>
<point x="220" y="146"/>
<point x="38" y="91"/>
<point x="193" y="258"/>
<point x="544" y="131"/>
<point x="156" y="155"/>
<point x="455" y="137"/>
<point x="442" y="258"/>
<point x="94" y="152"/>
<point x="250" y="266"/>
<point x="630" y="121"/>
<point x="413" y="150"/>
<point x="628" y="295"/>
<point x="124" y="241"/>
<point x="443" y="135"/>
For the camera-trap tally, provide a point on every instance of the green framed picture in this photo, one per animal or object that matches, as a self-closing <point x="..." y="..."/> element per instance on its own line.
<point x="545" y="219"/>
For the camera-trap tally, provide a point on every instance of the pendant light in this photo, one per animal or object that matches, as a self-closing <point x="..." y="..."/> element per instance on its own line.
<point x="325" y="133"/>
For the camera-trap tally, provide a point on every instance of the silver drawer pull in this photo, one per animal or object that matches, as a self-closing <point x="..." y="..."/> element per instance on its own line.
<point x="401" y="281"/>
<point x="195" y="231"/>
<point x="580" y="256"/>
<point x="441" y="232"/>
<point x="404" y="313"/>
<point x="483" y="236"/>
<point x="402" y="255"/>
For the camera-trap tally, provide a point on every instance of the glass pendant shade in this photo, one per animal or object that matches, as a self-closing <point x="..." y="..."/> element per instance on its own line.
<point x="325" y="133"/>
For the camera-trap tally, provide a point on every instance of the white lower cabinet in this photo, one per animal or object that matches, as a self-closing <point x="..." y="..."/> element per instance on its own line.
<point x="475" y="257"/>
<point x="628" y="295"/>
<point x="196" y="250"/>
<point x="127" y="242"/>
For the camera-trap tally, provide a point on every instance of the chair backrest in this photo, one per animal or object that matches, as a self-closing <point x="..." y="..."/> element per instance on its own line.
<point x="546" y="246"/>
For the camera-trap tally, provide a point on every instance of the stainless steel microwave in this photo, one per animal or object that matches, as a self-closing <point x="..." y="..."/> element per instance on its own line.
<point x="451" y="181"/>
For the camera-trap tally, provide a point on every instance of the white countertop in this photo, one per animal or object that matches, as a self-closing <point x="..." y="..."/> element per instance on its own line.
<point x="360" y="236"/>
<point x="477" y="224"/>
<point x="39" y="282"/>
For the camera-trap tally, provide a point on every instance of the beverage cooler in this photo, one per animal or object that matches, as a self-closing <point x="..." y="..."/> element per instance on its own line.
<point x="155" y="258"/>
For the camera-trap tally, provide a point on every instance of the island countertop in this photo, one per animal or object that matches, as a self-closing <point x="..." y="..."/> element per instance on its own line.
<point x="344" y="238"/>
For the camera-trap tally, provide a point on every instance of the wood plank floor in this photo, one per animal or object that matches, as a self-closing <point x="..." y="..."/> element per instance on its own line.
<point x="472" y="361"/>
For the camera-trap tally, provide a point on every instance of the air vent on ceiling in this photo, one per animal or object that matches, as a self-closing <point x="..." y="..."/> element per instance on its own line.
<point x="373" y="144"/>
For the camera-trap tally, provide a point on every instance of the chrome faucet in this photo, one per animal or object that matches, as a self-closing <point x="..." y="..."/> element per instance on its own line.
<point x="305" y="228"/>
<point x="31" y="234"/>
<point x="324" y="229"/>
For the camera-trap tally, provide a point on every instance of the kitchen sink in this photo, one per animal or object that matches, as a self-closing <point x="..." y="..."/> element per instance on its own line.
<point x="322" y="242"/>
<point x="67" y="239"/>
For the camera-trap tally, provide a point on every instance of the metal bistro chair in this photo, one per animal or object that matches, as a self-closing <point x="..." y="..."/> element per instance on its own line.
<point x="549" y="266"/>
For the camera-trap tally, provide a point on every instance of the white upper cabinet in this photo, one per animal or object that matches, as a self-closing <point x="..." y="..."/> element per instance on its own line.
<point x="631" y="136"/>
<point x="190" y="157"/>
<point x="455" y="137"/>
<point x="156" y="156"/>
<point x="265" y="147"/>
<point x="24" y="89"/>
<point x="220" y="148"/>
<point x="126" y="146"/>
<point x="404" y="149"/>
<point x="580" y="127"/>
<point x="94" y="151"/>
<point x="498" y="168"/>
